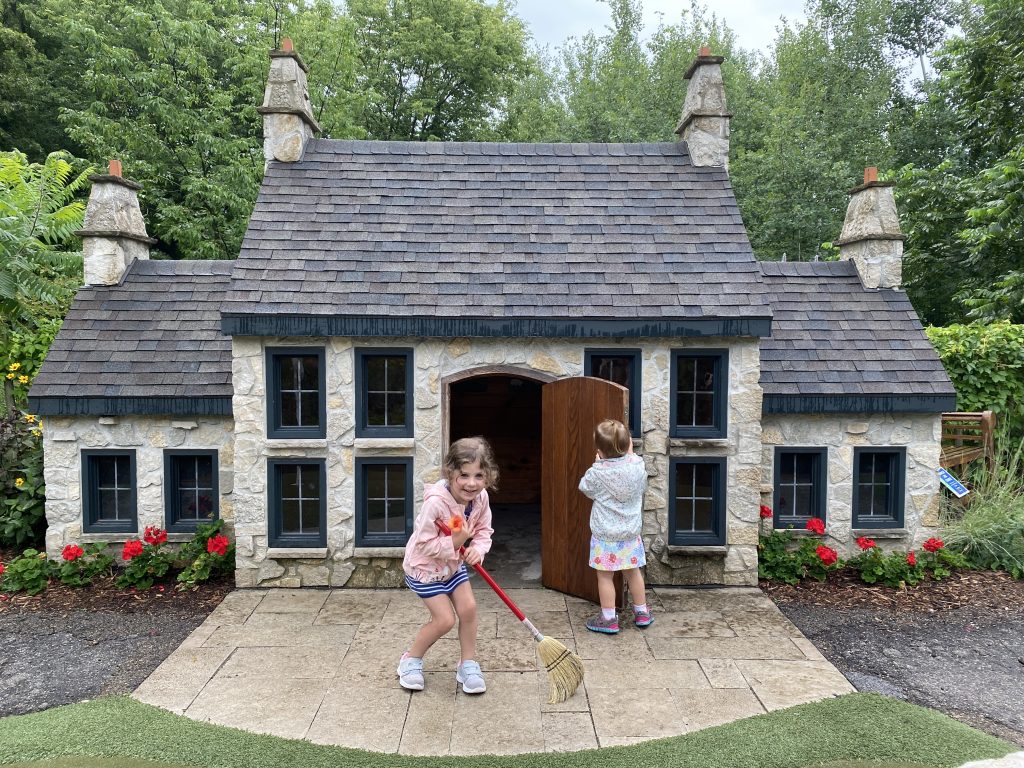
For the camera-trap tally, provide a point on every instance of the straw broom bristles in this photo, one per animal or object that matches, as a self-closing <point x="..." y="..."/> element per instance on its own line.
<point x="565" y="669"/>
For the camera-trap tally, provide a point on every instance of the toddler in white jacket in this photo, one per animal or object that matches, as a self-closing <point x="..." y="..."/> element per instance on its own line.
<point x="616" y="483"/>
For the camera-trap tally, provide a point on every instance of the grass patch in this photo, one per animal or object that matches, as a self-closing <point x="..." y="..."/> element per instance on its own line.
<point x="854" y="727"/>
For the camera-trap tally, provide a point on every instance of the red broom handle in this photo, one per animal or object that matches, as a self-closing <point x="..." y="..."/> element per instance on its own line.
<point x="443" y="527"/>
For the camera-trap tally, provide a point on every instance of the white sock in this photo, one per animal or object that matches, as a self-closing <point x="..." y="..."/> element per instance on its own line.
<point x="607" y="614"/>
<point x="640" y="608"/>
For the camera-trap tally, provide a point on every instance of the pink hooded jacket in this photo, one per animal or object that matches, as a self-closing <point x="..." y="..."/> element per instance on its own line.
<point x="429" y="555"/>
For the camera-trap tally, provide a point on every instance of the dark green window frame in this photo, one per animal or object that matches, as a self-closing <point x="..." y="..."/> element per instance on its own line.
<point x="591" y="363"/>
<point x="890" y="513"/>
<point x="364" y="538"/>
<point x="278" y="537"/>
<point x="173" y="460"/>
<point x="275" y="356"/>
<point x="784" y="496"/>
<point x="92" y="492"/>
<point x="719" y="389"/>
<point x="363" y="427"/>
<point x="716" y="534"/>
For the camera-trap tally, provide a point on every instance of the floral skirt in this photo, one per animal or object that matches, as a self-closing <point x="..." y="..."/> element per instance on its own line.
<point x="617" y="555"/>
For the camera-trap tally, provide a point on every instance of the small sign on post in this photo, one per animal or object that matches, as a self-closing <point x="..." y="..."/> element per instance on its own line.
<point x="955" y="486"/>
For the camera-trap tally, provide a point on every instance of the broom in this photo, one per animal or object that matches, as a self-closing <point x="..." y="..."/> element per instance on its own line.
<point x="565" y="668"/>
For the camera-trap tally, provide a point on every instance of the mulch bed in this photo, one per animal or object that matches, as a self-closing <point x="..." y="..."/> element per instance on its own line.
<point x="843" y="590"/>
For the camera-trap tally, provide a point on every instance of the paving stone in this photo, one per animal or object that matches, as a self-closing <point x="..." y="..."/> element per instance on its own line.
<point x="280" y="620"/>
<point x="179" y="679"/>
<point x="550" y="623"/>
<point x="780" y="684"/>
<point x="568" y="731"/>
<point x="361" y="716"/>
<point x="761" y="624"/>
<point x="266" y="662"/>
<point x="649" y="674"/>
<point x="428" y="724"/>
<point x="689" y="624"/>
<point x="504" y="721"/>
<point x="647" y="712"/>
<point x="272" y="705"/>
<point x="723" y="673"/>
<point x="333" y="639"/>
<point x="723" y="648"/>
<point x="704" y="709"/>
<point x="293" y="601"/>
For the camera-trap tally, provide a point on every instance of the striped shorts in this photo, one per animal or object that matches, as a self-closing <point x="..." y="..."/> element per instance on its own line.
<point x="435" y="588"/>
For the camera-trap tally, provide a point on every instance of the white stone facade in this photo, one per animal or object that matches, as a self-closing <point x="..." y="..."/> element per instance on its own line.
<point x="436" y="361"/>
<point x="840" y="434"/>
<point x="65" y="438"/>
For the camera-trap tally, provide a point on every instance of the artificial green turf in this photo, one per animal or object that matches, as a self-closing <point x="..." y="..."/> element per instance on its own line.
<point x="854" y="727"/>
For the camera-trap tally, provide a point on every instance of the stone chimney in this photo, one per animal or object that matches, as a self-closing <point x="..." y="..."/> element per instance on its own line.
<point x="288" y="121"/>
<point x="113" y="233"/>
<point x="704" y="125"/>
<point x="871" y="234"/>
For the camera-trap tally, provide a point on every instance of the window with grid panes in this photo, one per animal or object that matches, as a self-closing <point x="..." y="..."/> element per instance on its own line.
<point x="384" y="388"/>
<point x="298" y="507"/>
<point x="697" y="501"/>
<point x="878" y="483"/>
<point x="192" y="496"/>
<point x="799" y="486"/>
<point x="109" y="491"/>
<point x="384" y="493"/>
<point x="699" y="393"/>
<point x="297" y="398"/>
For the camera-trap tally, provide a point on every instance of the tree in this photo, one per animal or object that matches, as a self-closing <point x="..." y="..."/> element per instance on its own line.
<point x="435" y="71"/>
<point x="39" y="211"/>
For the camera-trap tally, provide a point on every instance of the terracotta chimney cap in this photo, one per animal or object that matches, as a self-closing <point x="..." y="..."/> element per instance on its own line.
<point x="286" y="45"/>
<point x="115" y="167"/>
<point x="870" y="174"/>
<point x="705" y="50"/>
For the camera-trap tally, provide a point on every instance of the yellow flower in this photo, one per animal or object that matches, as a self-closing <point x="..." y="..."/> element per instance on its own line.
<point x="13" y="366"/>
<point x="23" y="379"/>
<point x="10" y="375"/>
<point x="37" y="432"/>
<point x="30" y="417"/>
<point x="19" y="482"/>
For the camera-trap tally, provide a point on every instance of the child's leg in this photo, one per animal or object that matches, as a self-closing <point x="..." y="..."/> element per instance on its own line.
<point x="465" y="606"/>
<point x="635" y="579"/>
<point x="441" y="621"/>
<point x="606" y="589"/>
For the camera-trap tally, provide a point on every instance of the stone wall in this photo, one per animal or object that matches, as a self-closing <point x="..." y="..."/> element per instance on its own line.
<point x="436" y="360"/>
<point x="65" y="438"/>
<point x="840" y="434"/>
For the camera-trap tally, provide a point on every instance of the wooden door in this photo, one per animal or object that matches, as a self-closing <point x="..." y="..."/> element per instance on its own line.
<point x="571" y="408"/>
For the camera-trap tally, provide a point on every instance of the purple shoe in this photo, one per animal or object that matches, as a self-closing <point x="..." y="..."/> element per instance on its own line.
<point x="605" y="626"/>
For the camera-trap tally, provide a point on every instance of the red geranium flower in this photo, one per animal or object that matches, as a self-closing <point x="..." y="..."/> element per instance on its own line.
<point x="911" y="559"/>
<point x="72" y="552"/>
<point x="766" y="511"/>
<point x="828" y="556"/>
<point x="865" y="543"/>
<point x="155" y="536"/>
<point x="2" y="569"/>
<point x="218" y="545"/>
<point x="933" y="545"/>
<point x="816" y="525"/>
<point x="132" y="548"/>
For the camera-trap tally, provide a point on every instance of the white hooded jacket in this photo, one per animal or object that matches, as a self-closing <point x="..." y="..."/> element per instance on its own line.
<point x="617" y="487"/>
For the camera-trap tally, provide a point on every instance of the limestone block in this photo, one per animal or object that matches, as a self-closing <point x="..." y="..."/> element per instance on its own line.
<point x="655" y="441"/>
<point x="314" y="575"/>
<point x="269" y="569"/>
<point x="857" y="427"/>
<point x="245" y="578"/>
<point x="542" y="361"/>
<point x="340" y="574"/>
<point x="456" y="348"/>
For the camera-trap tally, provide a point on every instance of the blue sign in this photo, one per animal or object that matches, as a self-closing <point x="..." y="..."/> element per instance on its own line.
<point x="955" y="486"/>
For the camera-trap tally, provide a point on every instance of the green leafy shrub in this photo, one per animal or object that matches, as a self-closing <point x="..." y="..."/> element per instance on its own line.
<point x="29" y="572"/>
<point x="145" y="563"/>
<point x="781" y="558"/>
<point x="207" y="553"/>
<point x="893" y="569"/>
<point x="989" y="532"/>
<point x="22" y="490"/>
<point x="985" y="361"/>
<point x="81" y="566"/>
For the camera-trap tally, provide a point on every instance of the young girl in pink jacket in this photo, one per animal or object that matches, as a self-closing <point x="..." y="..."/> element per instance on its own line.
<point x="435" y="564"/>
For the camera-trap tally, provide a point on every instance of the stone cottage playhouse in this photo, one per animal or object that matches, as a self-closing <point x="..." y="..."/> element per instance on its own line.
<point x="390" y="297"/>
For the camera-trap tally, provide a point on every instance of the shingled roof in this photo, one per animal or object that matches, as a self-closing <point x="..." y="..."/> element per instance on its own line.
<point x="447" y="239"/>
<point x="151" y="344"/>
<point x="838" y="347"/>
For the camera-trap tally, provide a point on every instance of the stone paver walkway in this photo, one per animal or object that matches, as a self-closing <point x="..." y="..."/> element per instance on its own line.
<point x="320" y="665"/>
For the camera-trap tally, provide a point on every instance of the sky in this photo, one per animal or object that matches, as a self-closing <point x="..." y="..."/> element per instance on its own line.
<point x="753" y="21"/>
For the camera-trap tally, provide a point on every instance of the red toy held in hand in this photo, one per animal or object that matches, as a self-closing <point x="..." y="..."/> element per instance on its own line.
<point x="455" y="523"/>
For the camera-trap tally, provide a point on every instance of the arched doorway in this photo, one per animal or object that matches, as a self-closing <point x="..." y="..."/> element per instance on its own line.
<point x="504" y="406"/>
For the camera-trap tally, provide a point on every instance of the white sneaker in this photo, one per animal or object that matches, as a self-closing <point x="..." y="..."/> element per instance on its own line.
<point x="410" y="672"/>
<point x="471" y="677"/>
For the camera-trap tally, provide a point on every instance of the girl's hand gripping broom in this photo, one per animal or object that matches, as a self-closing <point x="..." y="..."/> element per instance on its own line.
<point x="565" y="668"/>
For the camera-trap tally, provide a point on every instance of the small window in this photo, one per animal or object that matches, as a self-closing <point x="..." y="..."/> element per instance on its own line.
<point x="191" y="492"/>
<point x="878" y="487"/>
<point x="298" y="502"/>
<point x="696" y="514"/>
<point x="109" y="492"/>
<point x="699" y="391"/>
<point x="384" y="388"/>
<point x="384" y="496"/>
<point x="623" y="367"/>
<point x="799" y="486"/>
<point x="297" y="405"/>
